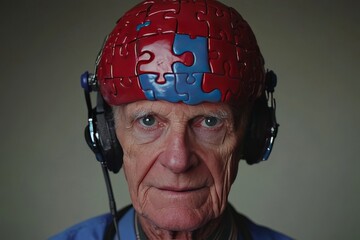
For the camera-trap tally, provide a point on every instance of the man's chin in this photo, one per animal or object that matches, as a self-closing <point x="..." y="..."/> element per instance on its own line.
<point x="177" y="219"/>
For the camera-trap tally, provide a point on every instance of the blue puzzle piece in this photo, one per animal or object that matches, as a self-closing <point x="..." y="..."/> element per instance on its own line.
<point x="189" y="78"/>
<point x="198" y="47"/>
<point x="140" y="26"/>
<point x="195" y="94"/>
<point x="160" y="91"/>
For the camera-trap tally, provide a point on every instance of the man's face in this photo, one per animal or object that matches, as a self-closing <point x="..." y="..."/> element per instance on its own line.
<point x="179" y="160"/>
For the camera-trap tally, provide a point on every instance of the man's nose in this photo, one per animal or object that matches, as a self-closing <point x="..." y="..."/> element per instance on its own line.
<point x="178" y="155"/>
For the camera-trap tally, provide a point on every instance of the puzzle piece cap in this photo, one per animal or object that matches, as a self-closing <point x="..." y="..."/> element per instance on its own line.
<point x="181" y="51"/>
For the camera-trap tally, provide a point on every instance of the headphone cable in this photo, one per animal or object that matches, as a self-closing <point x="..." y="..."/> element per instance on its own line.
<point x="110" y="193"/>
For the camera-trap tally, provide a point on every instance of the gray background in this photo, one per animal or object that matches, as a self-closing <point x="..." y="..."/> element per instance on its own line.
<point x="49" y="179"/>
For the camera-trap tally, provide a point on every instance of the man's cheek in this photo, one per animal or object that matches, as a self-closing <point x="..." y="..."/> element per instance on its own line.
<point x="136" y="165"/>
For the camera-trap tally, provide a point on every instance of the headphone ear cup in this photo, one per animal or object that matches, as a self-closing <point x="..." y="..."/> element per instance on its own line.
<point x="110" y="147"/>
<point x="115" y="162"/>
<point x="257" y="138"/>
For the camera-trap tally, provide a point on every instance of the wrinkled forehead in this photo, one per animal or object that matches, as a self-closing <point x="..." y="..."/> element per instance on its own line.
<point x="180" y="111"/>
<point x="180" y="51"/>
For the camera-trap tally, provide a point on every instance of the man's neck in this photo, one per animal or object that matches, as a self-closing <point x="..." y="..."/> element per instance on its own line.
<point x="219" y="228"/>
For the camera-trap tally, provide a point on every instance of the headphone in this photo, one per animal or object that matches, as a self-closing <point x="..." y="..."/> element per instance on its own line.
<point x="101" y="137"/>
<point x="100" y="134"/>
<point x="263" y="127"/>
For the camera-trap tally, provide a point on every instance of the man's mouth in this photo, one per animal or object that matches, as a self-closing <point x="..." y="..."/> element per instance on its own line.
<point x="179" y="189"/>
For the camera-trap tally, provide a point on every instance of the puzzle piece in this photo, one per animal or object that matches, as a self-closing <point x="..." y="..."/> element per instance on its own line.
<point x="246" y="86"/>
<point x="157" y="21"/>
<point x="177" y="89"/>
<point x="165" y="91"/>
<point x="228" y="86"/>
<point x="104" y="69"/>
<point x="243" y="36"/>
<point x="186" y="26"/>
<point x="142" y="25"/>
<point x="124" y="56"/>
<point x="220" y="53"/>
<point x="126" y="30"/>
<point x="160" y="63"/>
<point x="198" y="47"/>
<point x="193" y="89"/>
<point x="118" y="90"/>
<point x="220" y="27"/>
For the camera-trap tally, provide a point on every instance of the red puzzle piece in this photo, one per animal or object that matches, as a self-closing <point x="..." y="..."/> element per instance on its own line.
<point x="118" y="90"/>
<point x="158" y="22"/>
<point x="161" y="62"/>
<point x="221" y="52"/>
<point x="190" y="26"/>
<point x="220" y="19"/>
<point x="229" y="87"/>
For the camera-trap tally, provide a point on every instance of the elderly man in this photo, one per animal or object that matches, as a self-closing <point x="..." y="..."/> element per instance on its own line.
<point x="183" y="96"/>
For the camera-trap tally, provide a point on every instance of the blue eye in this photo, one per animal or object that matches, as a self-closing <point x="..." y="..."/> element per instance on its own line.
<point x="210" y="121"/>
<point x="148" y="121"/>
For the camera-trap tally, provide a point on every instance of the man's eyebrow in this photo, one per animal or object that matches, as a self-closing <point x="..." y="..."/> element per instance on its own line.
<point x="144" y="111"/>
<point x="141" y="112"/>
<point x="219" y="113"/>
